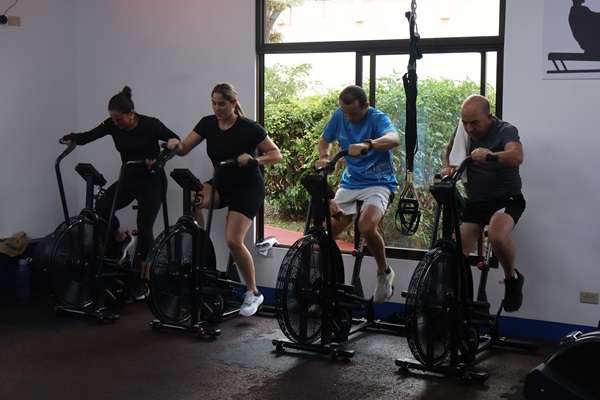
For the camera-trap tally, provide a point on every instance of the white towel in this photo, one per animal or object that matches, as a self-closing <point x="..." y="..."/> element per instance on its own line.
<point x="460" y="147"/>
<point x="265" y="246"/>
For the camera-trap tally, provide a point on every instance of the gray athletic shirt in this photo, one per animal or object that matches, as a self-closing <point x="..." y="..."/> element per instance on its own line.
<point x="490" y="180"/>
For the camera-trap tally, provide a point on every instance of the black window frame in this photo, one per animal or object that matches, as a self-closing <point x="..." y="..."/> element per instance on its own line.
<point x="374" y="48"/>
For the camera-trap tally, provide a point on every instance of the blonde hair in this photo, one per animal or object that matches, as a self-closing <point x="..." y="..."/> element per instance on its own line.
<point x="228" y="92"/>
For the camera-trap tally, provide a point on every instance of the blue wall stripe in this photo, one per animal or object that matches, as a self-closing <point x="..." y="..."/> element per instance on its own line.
<point x="509" y="326"/>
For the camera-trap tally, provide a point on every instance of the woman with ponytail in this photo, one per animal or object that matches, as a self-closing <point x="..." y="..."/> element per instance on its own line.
<point x="136" y="137"/>
<point x="230" y="135"/>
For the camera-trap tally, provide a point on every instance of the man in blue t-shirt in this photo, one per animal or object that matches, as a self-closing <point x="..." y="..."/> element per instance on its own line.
<point x="370" y="178"/>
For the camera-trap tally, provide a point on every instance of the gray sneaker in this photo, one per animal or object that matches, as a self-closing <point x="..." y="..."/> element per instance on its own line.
<point x="384" y="288"/>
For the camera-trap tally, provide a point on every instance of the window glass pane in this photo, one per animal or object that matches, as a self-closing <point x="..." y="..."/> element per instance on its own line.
<point x="490" y="77"/>
<point x="366" y="65"/>
<point x="301" y="92"/>
<point x="289" y="21"/>
<point x="445" y="80"/>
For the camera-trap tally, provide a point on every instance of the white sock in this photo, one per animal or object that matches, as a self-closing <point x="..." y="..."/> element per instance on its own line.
<point x="386" y="271"/>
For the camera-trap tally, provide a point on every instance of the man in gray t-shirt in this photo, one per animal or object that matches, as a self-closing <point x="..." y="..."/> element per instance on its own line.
<point x="493" y="189"/>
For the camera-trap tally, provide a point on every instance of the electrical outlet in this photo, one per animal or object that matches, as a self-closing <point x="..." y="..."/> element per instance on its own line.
<point x="588" y="297"/>
<point x="13" y="20"/>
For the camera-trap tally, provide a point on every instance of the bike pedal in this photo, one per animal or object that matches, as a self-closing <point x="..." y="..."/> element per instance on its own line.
<point x="480" y="322"/>
<point x="211" y="332"/>
<point x="345" y="305"/>
<point x="479" y="304"/>
<point x="345" y="288"/>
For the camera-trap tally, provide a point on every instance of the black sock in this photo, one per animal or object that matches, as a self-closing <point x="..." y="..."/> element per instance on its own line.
<point x="387" y="270"/>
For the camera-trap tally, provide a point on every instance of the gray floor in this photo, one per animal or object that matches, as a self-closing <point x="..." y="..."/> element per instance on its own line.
<point x="45" y="357"/>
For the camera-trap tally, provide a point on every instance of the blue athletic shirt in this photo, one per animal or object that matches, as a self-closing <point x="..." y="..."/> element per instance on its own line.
<point x="376" y="168"/>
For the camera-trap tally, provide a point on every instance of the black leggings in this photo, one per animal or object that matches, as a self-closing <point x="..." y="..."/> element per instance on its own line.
<point x="147" y="189"/>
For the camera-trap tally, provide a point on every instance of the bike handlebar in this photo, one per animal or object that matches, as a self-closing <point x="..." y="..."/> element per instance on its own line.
<point x="233" y="161"/>
<point x="330" y="166"/>
<point x="461" y="169"/>
<point x="70" y="147"/>
<point x="337" y="157"/>
<point x="225" y="163"/>
<point x="165" y="155"/>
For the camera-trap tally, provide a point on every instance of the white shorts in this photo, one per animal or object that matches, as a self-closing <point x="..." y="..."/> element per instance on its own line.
<point x="346" y="199"/>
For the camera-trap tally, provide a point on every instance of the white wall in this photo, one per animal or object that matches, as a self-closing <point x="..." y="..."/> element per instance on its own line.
<point x="558" y="121"/>
<point x="37" y="106"/>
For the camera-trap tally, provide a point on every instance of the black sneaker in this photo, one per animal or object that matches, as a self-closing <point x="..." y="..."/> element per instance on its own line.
<point x="139" y="291"/>
<point x="513" y="293"/>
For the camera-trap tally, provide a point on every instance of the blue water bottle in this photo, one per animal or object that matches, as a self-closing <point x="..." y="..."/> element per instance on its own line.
<point x="23" y="279"/>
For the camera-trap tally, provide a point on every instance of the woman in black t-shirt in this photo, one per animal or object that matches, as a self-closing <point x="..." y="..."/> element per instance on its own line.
<point x="136" y="137"/>
<point x="240" y="188"/>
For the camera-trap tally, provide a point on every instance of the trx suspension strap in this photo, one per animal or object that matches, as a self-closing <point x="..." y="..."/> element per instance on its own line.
<point x="408" y="213"/>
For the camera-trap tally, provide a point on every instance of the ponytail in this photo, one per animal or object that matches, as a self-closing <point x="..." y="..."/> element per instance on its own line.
<point x="122" y="102"/>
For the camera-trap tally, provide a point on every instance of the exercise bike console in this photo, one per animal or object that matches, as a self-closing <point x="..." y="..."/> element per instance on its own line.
<point x="86" y="171"/>
<point x="186" y="179"/>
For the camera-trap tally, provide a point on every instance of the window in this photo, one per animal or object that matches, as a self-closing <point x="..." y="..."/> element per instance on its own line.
<point x="304" y="61"/>
<point x="293" y="21"/>
<point x="300" y="94"/>
<point x="441" y="92"/>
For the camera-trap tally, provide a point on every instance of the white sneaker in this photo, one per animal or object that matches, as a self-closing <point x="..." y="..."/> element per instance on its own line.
<point x="251" y="304"/>
<point x="384" y="289"/>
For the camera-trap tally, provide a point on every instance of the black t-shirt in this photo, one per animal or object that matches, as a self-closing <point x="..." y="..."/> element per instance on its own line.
<point x="139" y="143"/>
<point x="489" y="180"/>
<point x="244" y="136"/>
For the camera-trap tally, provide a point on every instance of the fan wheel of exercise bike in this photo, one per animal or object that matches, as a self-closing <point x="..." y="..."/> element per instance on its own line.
<point x="74" y="253"/>
<point x="298" y="288"/>
<point x="429" y="319"/>
<point x="171" y="285"/>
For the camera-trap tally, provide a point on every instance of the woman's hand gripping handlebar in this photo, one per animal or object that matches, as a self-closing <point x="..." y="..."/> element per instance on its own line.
<point x="165" y="155"/>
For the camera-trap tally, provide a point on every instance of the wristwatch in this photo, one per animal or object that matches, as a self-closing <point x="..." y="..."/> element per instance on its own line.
<point x="369" y="142"/>
<point x="491" y="157"/>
